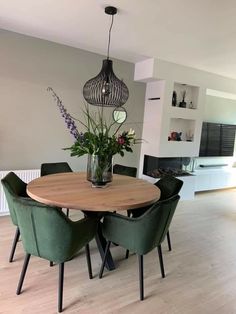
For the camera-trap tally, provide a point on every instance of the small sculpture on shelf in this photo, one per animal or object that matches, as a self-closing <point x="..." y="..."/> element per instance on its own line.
<point x="189" y="136"/>
<point x="182" y="104"/>
<point x="175" y="136"/>
<point x="191" y="106"/>
<point x="174" y="98"/>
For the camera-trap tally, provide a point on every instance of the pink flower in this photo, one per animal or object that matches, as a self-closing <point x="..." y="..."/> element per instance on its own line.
<point x="121" y="140"/>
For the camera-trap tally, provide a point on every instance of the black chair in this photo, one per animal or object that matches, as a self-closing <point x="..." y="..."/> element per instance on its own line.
<point x="12" y="184"/>
<point x="125" y="170"/>
<point x="55" y="167"/>
<point x="142" y="234"/>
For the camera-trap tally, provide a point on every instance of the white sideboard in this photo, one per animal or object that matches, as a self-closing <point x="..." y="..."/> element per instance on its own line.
<point x="204" y="180"/>
<point x="212" y="179"/>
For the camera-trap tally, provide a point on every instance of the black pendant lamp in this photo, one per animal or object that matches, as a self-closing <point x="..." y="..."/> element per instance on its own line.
<point x="106" y="89"/>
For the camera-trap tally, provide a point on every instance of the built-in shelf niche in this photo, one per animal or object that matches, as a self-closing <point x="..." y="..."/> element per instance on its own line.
<point x="191" y="96"/>
<point x="185" y="126"/>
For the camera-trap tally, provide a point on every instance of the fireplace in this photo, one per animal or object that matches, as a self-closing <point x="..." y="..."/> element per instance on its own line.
<point x="157" y="167"/>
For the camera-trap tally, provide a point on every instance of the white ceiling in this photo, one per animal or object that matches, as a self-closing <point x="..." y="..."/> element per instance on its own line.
<point x="196" y="33"/>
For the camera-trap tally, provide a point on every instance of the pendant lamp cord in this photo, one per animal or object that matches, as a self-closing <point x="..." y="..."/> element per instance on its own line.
<point x="109" y="38"/>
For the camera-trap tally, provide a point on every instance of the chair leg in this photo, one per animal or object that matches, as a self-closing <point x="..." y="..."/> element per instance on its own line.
<point x="60" y="287"/>
<point x="16" y="238"/>
<point x="140" y="260"/>
<point x="168" y="240"/>
<point x="104" y="259"/>
<point x="23" y="272"/>
<point x="161" y="261"/>
<point x="67" y="212"/>
<point x="88" y="261"/>
<point x="127" y="254"/>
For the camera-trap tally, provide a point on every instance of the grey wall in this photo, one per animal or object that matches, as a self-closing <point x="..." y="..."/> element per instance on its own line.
<point x="31" y="128"/>
<point x="220" y="110"/>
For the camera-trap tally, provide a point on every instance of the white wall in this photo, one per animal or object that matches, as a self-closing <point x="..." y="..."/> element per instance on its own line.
<point x="31" y="128"/>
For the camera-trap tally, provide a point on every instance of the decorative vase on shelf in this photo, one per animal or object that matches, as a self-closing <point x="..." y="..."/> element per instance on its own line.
<point x="174" y="98"/>
<point x="182" y="104"/>
<point x="99" y="170"/>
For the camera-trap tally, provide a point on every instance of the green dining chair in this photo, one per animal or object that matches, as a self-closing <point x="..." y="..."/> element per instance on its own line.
<point x="125" y="170"/>
<point x="169" y="186"/>
<point x="140" y="235"/>
<point x="55" y="167"/>
<point x="48" y="233"/>
<point x="13" y="185"/>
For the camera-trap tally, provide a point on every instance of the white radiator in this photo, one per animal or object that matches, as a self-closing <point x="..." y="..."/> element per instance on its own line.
<point x="25" y="175"/>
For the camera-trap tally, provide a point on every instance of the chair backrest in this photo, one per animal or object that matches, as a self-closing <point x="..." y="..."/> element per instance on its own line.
<point x="125" y="170"/>
<point x="169" y="186"/>
<point x="13" y="186"/>
<point x="154" y="225"/>
<point x="47" y="232"/>
<point x="55" y="167"/>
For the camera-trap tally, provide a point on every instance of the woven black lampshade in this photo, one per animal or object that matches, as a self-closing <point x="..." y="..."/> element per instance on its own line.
<point x="106" y="89"/>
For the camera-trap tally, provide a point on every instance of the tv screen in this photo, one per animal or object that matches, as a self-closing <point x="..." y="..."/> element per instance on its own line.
<point x="217" y="139"/>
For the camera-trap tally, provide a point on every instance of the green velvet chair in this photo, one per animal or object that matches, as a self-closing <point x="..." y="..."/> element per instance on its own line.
<point x="55" y="167"/>
<point x="125" y="170"/>
<point x="13" y="185"/>
<point x="48" y="233"/>
<point x="169" y="186"/>
<point x="140" y="235"/>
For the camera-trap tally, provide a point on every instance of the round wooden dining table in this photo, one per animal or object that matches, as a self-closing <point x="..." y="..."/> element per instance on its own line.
<point x="72" y="190"/>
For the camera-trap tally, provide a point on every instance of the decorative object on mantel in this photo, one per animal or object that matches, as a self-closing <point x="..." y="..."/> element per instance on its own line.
<point x="174" y="98"/>
<point x="101" y="141"/>
<point x="189" y="136"/>
<point x="175" y="136"/>
<point x="182" y="104"/>
<point x="106" y="89"/>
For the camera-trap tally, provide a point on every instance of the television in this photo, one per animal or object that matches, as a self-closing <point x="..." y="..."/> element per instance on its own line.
<point x="217" y="139"/>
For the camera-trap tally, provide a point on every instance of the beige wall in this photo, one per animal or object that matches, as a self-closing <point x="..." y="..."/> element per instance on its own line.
<point x="31" y="128"/>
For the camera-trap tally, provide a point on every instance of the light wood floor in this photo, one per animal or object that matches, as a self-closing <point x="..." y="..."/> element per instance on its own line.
<point x="201" y="270"/>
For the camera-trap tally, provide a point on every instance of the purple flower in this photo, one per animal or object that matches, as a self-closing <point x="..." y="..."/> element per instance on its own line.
<point x="70" y="123"/>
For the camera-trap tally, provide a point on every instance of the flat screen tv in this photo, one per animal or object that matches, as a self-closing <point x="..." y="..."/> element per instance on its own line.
<point x="217" y="139"/>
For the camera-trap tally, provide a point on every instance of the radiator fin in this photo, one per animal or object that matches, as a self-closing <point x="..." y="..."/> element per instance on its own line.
<point x="25" y="175"/>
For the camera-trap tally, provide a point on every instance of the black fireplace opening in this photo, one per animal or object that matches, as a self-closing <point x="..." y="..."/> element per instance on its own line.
<point x="157" y="167"/>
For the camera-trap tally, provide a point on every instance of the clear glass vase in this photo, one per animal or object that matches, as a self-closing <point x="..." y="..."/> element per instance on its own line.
<point x="99" y="170"/>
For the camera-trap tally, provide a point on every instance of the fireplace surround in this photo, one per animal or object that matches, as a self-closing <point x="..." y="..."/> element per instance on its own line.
<point x="157" y="167"/>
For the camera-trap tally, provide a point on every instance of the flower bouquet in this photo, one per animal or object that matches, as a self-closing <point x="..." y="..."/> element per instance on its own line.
<point x="100" y="140"/>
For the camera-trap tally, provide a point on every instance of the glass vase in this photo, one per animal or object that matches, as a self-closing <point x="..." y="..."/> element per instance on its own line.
<point x="99" y="170"/>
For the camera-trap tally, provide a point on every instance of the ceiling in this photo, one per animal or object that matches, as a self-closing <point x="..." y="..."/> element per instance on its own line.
<point x="200" y="34"/>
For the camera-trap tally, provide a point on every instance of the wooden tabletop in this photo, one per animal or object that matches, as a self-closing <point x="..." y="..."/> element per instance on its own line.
<point x="72" y="190"/>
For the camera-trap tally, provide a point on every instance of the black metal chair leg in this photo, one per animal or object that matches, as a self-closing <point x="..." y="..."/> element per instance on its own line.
<point x="104" y="259"/>
<point x="23" y="272"/>
<point x="140" y="260"/>
<point x="161" y="261"/>
<point x="60" y="287"/>
<point x="16" y="238"/>
<point x="127" y="254"/>
<point x="67" y="212"/>
<point x="88" y="261"/>
<point x="168" y="240"/>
